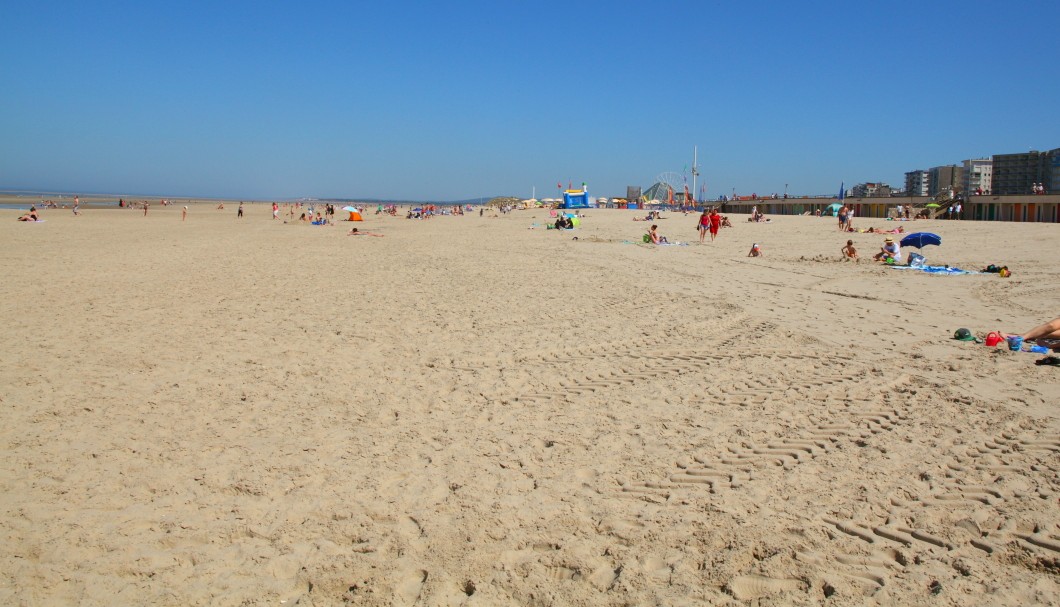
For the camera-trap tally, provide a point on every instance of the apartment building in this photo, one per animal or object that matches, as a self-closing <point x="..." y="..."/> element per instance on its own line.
<point x="977" y="176"/>
<point x="1015" y="174"/>
<point x="916" y="183"/>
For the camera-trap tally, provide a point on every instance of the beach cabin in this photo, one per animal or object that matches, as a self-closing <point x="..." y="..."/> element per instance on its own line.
<point x="575" y="199"/>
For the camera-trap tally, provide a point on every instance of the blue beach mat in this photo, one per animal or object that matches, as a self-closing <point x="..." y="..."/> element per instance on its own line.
<point x="936" y="270"/>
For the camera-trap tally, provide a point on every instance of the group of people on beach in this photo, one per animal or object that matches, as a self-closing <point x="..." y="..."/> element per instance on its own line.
<point x="891" y="250"/>
<point x="710" y="221"/>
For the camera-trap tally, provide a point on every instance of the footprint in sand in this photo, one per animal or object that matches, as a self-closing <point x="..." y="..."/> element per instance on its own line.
<point x="409" y="585"/>
<point x="748" y="587"/>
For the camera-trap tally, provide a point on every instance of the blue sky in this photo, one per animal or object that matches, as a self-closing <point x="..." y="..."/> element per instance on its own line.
<point x="445" y="101"/>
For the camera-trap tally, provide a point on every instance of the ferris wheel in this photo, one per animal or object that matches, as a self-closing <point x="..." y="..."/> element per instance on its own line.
<point x="665" y="188"/>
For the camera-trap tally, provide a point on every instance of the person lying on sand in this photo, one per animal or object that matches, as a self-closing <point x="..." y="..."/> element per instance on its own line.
<point x="30" y="216"/>
<point x="1047" y="335"/>
<point x="356" y="232"/>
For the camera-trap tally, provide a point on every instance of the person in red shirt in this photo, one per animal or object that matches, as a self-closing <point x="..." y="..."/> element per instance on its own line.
<point x="704" y="225"/>
<point x="715" y="223"/>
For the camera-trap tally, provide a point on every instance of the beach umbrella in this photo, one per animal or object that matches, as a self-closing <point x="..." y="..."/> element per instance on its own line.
<point x="351" y="209"/>
<point x="921" y="239"/>
<point x="931" y="205"/>
<point x="834" y="208"/>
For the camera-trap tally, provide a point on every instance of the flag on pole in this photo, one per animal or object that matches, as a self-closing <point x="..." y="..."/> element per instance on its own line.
<point x="842" y="190"/>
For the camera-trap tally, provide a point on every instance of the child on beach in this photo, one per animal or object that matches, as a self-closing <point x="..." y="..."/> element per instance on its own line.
<point x="756" y="251"/>
<point x="849" y="252"/>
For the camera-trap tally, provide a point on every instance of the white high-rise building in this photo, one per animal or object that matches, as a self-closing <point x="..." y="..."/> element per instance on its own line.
<point x="977" y="176"/>
<point x="917" y="183"/>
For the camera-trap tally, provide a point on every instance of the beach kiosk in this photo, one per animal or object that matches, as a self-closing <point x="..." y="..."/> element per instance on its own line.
<point x="575" y="199"/>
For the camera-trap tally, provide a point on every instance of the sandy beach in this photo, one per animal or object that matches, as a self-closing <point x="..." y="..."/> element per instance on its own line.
<point x="468" y="411"/>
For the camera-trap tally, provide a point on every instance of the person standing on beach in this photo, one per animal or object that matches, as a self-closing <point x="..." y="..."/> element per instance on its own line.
<point x="704" y="225"/>
<point x="842" y="218"/>
<point x="184" y="213"/>
<point x="239" y="213"/>
<point x="146" y="204"/>
<point x="275" y="211"/>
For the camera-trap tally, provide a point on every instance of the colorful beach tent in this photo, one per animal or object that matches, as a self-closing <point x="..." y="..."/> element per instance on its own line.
<point x="834" y="208"/>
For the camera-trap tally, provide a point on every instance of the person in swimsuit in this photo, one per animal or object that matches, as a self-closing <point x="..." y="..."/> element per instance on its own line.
<point x="849" y="252"/>
<point x="653" y="234"/>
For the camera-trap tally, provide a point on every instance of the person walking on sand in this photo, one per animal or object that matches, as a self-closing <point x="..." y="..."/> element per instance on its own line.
<point x="704" y="225"/>
<point x="275" y="211"/>
<point x="715" y="223"/>
<point x="239" y="213"/>
<point x="146" y="204"/>
<point x="184" y="213"/>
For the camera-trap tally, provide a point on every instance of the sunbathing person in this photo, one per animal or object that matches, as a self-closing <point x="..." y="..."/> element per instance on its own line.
<point x="653" y="234"/>
<point x="30" y="216"/>
<point x="356" y="232"/>
<point x="1047" y="335"/>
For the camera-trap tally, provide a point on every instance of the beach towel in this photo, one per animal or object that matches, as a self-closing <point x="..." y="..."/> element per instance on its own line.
<point x="935" y="270"/>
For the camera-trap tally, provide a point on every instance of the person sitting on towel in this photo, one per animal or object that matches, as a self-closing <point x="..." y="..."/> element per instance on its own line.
<point x="654" y="235"/>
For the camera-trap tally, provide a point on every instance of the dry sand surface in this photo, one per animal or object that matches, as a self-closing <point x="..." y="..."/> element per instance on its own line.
<point x="467" y="411"/>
